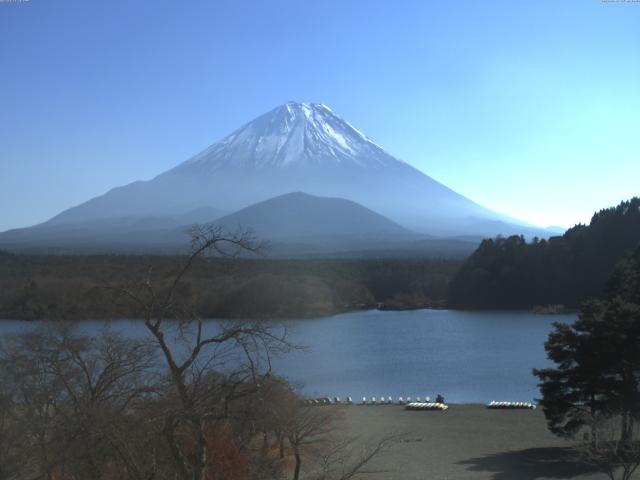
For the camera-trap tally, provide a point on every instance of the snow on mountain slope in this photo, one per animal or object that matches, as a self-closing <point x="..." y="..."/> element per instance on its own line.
<point x="295" y="133"/>
<point x="300" y="147"/>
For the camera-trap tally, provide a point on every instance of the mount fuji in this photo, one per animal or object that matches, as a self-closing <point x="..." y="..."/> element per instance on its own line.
<point x="296" y="147"/>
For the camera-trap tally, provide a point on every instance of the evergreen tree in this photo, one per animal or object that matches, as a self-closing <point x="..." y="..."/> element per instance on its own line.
<point x="566" y="270"/>
<point x="596" y="380"/>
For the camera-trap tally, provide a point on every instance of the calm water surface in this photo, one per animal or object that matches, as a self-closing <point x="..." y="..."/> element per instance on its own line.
<point x="467" y="356"/>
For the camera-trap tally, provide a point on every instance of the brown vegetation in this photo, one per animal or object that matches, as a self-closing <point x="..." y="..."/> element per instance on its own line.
<point x="186" y="403"/>
<point x="33" y="287"/>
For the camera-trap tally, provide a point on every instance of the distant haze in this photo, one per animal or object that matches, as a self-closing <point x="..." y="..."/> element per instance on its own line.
<point x="296" y="147"/>
<point x="348" y="194"/>
<point x="527" y="108"/>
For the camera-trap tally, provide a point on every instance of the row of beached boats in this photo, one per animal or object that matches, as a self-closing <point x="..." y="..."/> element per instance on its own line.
<point x="327" y="401"/>
<point x="417" y="404"/>
<point x="510" y="405"/>
<point x="390" y="401"/>
<point x="426" y="406"/>
<point x="365" y="401"/>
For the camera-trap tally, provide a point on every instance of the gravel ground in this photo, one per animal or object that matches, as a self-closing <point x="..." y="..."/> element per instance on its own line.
<point x="466" y="442"/>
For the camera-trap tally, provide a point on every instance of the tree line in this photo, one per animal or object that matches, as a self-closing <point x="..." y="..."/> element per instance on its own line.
<point x="564" y="270"/>
<point x="72" y="287"/>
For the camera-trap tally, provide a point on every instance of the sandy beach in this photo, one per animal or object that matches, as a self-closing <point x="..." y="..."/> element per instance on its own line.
<point x="467" y="442"/>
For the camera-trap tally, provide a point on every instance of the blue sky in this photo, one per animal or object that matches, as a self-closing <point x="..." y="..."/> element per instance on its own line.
<point x="529" y="108"/>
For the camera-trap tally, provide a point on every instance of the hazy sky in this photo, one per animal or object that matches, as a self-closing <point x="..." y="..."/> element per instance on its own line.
<point x="531" y="108"/>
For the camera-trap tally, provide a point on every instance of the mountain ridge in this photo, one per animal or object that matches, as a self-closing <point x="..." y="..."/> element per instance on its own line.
<point x="294" y="225"/>
<point x="298" y="147"/>
<point x="298" y="215"/>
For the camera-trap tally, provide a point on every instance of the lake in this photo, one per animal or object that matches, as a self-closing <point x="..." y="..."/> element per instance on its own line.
<point x="467" y="356"/>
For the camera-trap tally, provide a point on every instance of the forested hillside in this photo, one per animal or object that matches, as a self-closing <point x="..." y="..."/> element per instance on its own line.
<point x="78" y="287"/>
<point x="513" y="273"/>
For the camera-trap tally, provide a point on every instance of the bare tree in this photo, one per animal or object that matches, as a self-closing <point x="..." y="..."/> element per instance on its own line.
<point x="315" y="433"/>
<point x="347" y="458"/>
<point x="9" y="434"/>
<point x="239" y="352"/>
<point x="609" y="450"/>
<point x="72" y="400"/>
<point x="194" y="400"/>
<point x="308" y="430"/>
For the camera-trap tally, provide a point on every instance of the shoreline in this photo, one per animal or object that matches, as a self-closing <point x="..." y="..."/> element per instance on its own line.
<point x="308" y="316"/>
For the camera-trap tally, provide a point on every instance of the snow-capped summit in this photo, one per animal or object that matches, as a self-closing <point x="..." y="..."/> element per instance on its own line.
<point x="296" y="147"/>
<point x="293" y="134"/>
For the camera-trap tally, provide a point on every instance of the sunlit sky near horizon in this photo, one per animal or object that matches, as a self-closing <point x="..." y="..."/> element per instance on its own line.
<point x="529" y="108"/>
